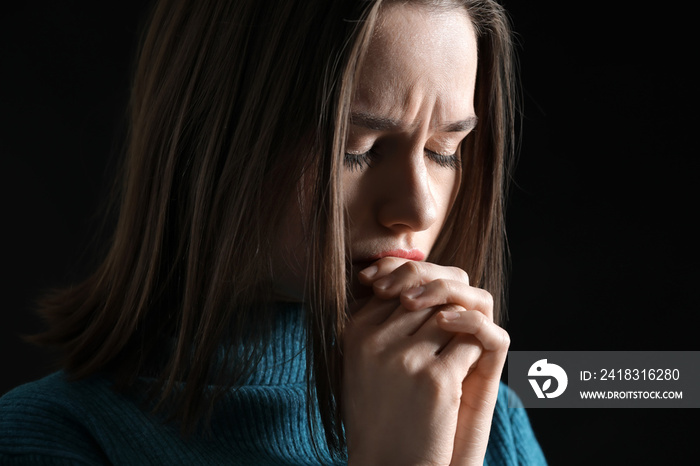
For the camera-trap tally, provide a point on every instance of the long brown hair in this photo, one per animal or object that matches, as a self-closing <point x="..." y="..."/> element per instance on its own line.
<point x="233" y="102"/>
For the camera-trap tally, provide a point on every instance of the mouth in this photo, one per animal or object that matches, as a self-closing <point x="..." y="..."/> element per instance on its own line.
<point x="411" y="254"/>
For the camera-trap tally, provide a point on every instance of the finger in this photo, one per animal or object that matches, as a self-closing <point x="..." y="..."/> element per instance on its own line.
<point x="430" y="330"/>
<point x="443" y="291"/>
<point x="491" y="337"/>
<point x="409" y="275"/>
<point x="374" y="312"/>
<point x="380" y="268"/>
<point x="408" y="323"/>
<point x="479" y="395"/>
<point x="461" y="354"/>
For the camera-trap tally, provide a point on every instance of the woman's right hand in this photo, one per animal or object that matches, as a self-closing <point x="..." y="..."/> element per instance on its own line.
<point x="404" y="372"/>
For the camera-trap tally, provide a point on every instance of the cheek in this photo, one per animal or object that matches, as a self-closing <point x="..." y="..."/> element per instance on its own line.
<point x="446" y="189"/>
<point x="356" y="196"/>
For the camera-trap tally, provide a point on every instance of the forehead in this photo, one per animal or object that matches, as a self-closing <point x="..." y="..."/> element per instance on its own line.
<point x="419" y="57"/>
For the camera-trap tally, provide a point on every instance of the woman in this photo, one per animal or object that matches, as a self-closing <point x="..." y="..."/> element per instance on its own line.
<point x="309" y="239"/>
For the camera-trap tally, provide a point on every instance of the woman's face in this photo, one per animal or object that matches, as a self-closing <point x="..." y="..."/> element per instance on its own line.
<point x="412" y="108"/>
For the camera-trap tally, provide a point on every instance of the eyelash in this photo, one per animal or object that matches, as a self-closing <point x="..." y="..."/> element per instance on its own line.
<point x="364" y="160"/>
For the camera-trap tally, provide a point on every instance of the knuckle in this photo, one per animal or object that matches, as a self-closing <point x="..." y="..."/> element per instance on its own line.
<point x="435" y="379"/>
<point x="442" y="286"/>
<point x="389" y="264"/>
<point x="407" y="364"/>
<point x="480" y="321"/>
<point x="504" y="342"/>
<point x="461" y="274"/>
<point x="412" y="267"/>
<point x="487" y="300"/>
<point x="412" y="363"/>
<point x="452" y="307"/>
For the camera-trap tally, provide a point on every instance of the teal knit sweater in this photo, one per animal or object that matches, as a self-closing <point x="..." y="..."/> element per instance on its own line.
<point x="56" y="422"/>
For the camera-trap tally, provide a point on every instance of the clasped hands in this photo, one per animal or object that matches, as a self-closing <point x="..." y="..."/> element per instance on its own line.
<point x="422" y="364"/>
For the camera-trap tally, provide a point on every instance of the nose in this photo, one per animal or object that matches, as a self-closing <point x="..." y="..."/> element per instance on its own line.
<point x="408" y="202"/>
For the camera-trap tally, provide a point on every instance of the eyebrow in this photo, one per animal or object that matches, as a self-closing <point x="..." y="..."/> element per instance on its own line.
<point x="378" y="123"/>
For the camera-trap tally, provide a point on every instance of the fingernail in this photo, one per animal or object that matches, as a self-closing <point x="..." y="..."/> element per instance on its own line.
<point x="370" y="271"/>
<point x="450" y="315"/>
<point x="384" y="283"/>
<point x="413" y="293"/>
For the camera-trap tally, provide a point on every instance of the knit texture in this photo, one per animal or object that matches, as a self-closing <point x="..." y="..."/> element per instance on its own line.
<point x="54" y="421"/>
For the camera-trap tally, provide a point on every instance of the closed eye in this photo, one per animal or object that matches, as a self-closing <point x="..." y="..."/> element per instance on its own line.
<point x="364" y="160"/>
<point x="358" y="161"/>
<point x="452" y="161"/>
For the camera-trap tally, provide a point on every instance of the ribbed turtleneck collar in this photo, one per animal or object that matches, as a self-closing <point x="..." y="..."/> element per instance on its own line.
<point x="284" y="357"/>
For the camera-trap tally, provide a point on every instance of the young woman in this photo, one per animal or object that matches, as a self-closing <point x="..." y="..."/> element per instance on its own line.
<point x="308" y="262"/>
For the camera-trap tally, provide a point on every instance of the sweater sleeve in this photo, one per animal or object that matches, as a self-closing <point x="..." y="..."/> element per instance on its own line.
<point x="38" y="426"/>
<point x="512" y="441"/>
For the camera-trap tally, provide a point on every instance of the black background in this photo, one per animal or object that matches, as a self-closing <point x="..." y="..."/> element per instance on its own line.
<point x="602" y="219"/>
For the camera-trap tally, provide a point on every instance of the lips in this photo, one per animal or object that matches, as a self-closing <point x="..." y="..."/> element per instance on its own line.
<point x="411" y="254"/>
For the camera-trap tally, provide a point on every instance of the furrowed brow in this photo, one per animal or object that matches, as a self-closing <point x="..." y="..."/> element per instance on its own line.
<point x="378" y="123"/>
<point x="460" y="126"/>
<point x="375" y="123"/>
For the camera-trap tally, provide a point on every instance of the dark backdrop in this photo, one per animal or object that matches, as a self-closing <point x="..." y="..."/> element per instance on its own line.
<point x="602" y="218"/>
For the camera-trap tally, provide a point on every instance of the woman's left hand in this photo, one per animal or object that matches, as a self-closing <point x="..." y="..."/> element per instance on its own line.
<point x="468" y="313"/>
